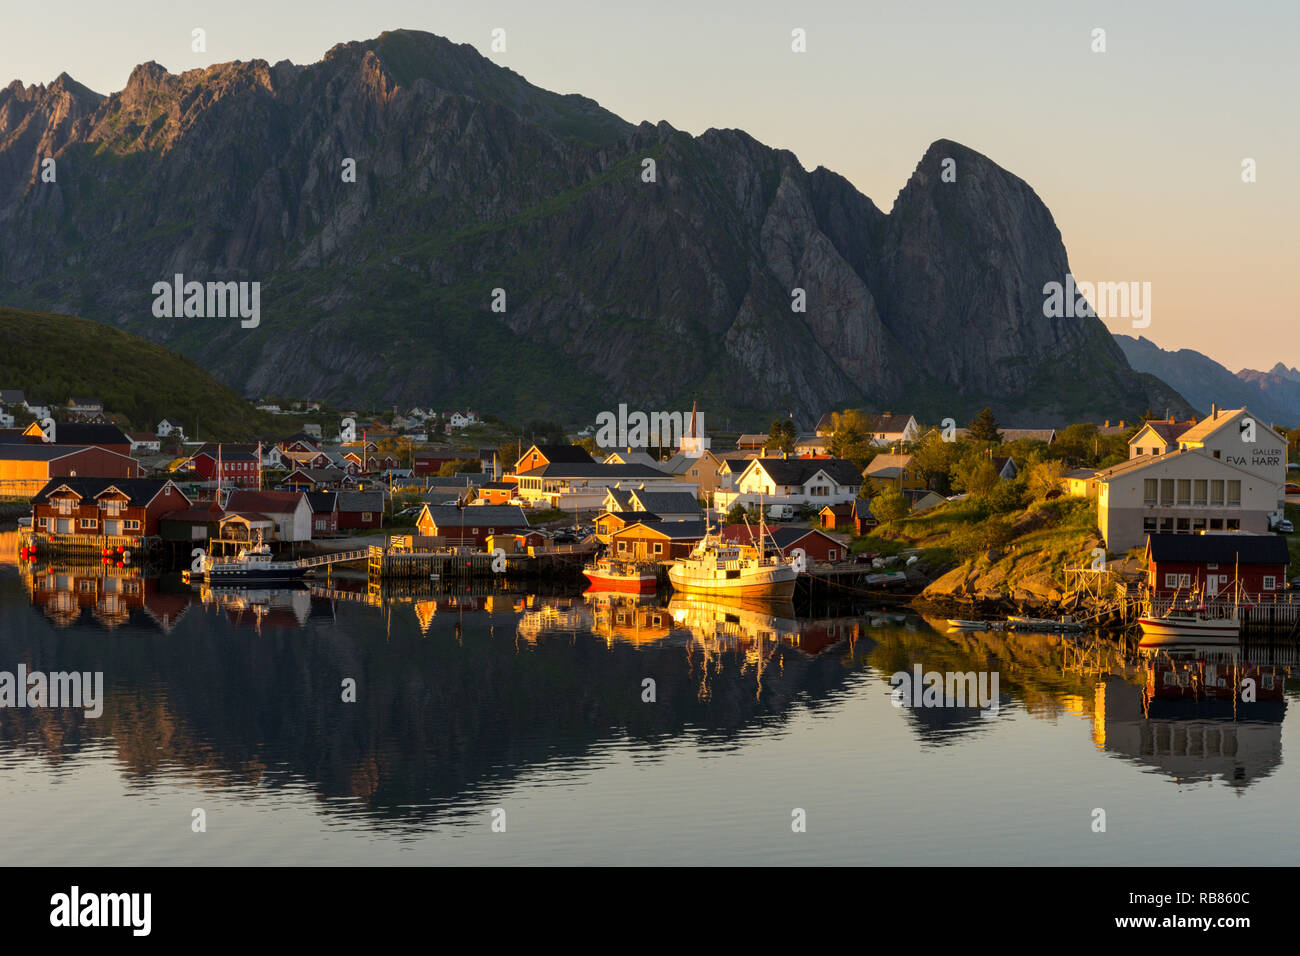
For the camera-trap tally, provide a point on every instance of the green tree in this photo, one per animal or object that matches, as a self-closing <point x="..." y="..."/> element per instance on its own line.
<point x="889" y="505"/>
<point x="849" y="428"/>
<point x="1044" y="478"/>
<point x="935" y="458"/>
<point x="736" y="515"/>
<point x="984" y="428"/>
<point x="976" y="475"/>
<point x="450" y="468"/>
<point x="781" y="436"/>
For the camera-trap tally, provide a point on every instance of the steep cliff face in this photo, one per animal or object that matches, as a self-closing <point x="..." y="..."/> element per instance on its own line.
<point x="469" y="179"/>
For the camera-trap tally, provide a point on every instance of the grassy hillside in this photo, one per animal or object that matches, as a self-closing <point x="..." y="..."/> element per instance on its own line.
<point x="1024" y="549"/>
<point x="52" y="357"/>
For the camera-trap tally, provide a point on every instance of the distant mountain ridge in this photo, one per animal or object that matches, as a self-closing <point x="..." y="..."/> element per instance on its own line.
<point x="469" y="180"/>
<point x="1274" y="395"/>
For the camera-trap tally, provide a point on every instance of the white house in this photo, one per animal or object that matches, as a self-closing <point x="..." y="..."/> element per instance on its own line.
<point x="462" y="419"/>
<point x="795" y="481"/>
<point x="6" y="420"/>
<point x="288" y="511"/>
<point x="170" y="428"/>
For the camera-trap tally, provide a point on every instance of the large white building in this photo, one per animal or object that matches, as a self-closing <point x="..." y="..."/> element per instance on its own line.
<point x="581" y="486"/>
<point x="1225" y="473"/>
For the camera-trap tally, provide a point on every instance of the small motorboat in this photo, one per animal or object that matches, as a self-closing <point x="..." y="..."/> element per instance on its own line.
<point x="958" y="624"/>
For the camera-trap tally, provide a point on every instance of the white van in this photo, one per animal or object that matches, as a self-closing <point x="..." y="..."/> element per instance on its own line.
<point x="781" y="512"/>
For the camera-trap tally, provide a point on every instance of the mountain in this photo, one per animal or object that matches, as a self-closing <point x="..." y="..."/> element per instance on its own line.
<point x="469" y="180"/>
<point x="52" y="357"/>
<point x="1273" y="395"/>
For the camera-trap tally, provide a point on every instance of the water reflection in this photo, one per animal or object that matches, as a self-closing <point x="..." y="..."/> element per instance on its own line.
<point x="460" y="692"/>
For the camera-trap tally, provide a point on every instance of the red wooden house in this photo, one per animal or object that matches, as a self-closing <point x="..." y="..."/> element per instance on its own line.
<point x="360" y="509"/>
<point x="113" y="507"/>
<point x="1213" y="565"/>
<point x="239" y="465"/>
<point x="816" y="544"/>
<point x="324" y="513"/>
<point x="470" y="526"/>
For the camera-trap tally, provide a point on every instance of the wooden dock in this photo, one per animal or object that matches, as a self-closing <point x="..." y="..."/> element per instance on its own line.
<point x="387" y="564"/>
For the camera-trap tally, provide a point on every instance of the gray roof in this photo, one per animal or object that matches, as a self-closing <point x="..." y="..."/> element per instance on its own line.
<point x="622" y="499"/>
<point x="1221" y="548"/>
<point x="361" y="500"/>
<point x="668" y="502"/>
<point x="141" y="490"/>
<point x="795" y="471"/>
<point x="322" y="502"/>
<point x="12" y="396"/>
<point x="496" y="516"/>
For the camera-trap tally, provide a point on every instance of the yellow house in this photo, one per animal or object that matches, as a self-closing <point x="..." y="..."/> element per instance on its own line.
<point x="703" y="470"/>
<point x="894" y="471"/>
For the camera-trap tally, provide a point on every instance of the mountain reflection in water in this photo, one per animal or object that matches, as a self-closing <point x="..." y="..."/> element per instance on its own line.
<point x="462" y="694"/>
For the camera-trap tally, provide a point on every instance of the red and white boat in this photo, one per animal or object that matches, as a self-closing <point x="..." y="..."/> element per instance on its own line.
<point x="1191" y="624"/>
<point x="611" y="574"/>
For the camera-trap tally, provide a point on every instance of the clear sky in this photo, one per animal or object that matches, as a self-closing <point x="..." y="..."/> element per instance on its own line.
<point x="1137" y="151"/>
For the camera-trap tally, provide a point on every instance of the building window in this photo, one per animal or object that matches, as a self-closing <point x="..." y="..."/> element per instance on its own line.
<point x="1270" y="582"/>
<point x="1216" y="524"/>
<point x="1166" y="524"/>
<point x="659" y="547"/>
<point x="1216" y="493"/>
<point x="1199" y="492"/>
<point x="1184" y="491"/>
<point x="1234" y="524"/>
<point x="1234" y="494"/>
<point x="1149" y="488"/>
<point x="1184" y="525"/>
<point x="622" y="546"/>
<point x="1198" y="524"/>
<point x="1171" y="580"/>
<point x="1148" y="525"/>
<point x="365" y="516"/>
<point x="132" y="525"/>
<point x="1166" y="491"/>
<point x="1141" y="451"/>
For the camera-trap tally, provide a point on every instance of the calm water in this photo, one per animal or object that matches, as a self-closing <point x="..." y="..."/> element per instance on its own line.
<point x="533" y="704"/>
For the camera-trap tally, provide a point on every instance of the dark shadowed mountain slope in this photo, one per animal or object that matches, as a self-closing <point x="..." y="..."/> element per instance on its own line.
<point x="468" y="180"/>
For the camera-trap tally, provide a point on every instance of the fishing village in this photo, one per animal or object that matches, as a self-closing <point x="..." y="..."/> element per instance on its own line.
<point x="1174" y="530"/>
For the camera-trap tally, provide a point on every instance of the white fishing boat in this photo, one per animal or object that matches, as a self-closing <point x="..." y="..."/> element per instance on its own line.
<point x="719" y="567"/>
<point x="1194" y="621"/>
<point x="1189" y="624"/>
<point x="254" y="564"/>
<point x="733" y="569"/>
